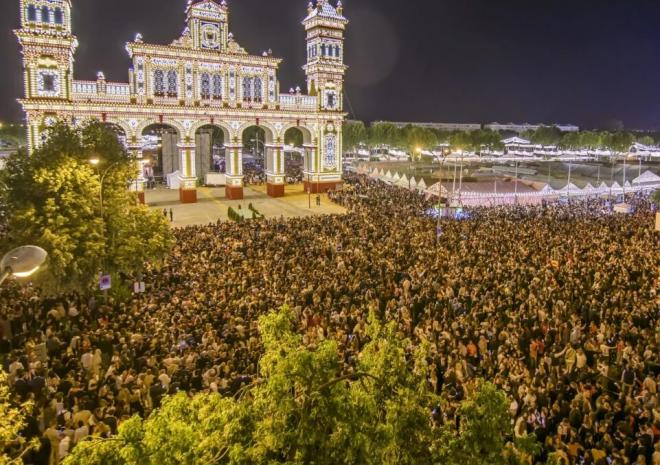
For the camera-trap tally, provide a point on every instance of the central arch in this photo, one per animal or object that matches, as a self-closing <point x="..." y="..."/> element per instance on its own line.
<point x="160" y="154"/>
<point x="210" y="140"/>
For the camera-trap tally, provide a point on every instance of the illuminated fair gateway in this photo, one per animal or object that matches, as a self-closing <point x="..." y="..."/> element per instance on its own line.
<point x="202" y="81"/>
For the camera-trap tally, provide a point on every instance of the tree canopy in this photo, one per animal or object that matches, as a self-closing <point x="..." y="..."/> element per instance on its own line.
<point x="306" y="409"/>
<point x="83" y="216"/>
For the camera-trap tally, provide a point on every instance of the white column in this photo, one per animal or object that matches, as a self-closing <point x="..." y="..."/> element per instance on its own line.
<point x="188" y="176"/>
<point x="138" y="184"/>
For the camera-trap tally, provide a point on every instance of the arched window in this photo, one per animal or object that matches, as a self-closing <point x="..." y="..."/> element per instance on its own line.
<point x="217" y="87"/>
<point x="247" y="89"/>
<point x="58" y="16"/>
<point x="31" y="13"/>
<point x="172" y="84"/>
<point x="258" y="90"/>
<point x="45" y="15"/>
<point x="206" y="86"/>
<point x="159" y="83"/>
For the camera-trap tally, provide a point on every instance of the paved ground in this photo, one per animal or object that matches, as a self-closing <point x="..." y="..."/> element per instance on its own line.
<point x="212" y="206"/>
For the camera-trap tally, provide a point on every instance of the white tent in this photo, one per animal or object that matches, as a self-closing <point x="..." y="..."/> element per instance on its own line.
<point x="374" y="173"/>
<point x="413" y="183"/>
<point x="403" y="182"/>
<point x="570" y="189"/>
<point x="396" y="177"/>
<point x="436" y="189"/>
<point x="603" y="187"/>
<point x="421" y="185"/>
<point x="388" y="175"/>
<point x="547" y="189"/>
<point x="381" y="173"/>
<point x="647" y="177"/>
<point x="616" y="187"/>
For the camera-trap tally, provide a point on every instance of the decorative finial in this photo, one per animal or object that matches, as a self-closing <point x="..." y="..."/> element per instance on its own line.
<point x="138" y="38"/>
<point x="310" y="7"/>
<point x="340" y="7"/>
<point x="100" y="76"/>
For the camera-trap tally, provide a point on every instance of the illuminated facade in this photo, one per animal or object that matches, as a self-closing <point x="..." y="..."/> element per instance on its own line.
<point x="204" y="78"/>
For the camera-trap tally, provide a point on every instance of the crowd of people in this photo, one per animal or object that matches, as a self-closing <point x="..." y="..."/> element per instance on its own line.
<point x="555" y="305"/>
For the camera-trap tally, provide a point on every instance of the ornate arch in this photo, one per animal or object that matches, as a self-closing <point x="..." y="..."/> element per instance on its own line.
<point x="123" y="125"/>
<point x="144" y="124"/>
<point x="223" y="126"/>
<point x="308" y="134"/>
<point x="272" y="134"/>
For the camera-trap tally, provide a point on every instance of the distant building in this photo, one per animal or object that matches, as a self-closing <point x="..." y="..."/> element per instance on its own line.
<point x="509" y="127"/>
<point x="437" y="126"/>
<point x="519" y="128"/>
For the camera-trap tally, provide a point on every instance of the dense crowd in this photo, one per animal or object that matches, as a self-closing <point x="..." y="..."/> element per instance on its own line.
<point x="556" y="305"/>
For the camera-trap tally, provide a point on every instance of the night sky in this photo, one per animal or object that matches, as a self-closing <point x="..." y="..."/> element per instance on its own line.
<point x="585" y="62"/>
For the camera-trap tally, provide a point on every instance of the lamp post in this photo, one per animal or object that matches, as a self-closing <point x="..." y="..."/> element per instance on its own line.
<point x="437" y="227"/>
<point x="95" y="163"/>
<point x="22" y="262"/>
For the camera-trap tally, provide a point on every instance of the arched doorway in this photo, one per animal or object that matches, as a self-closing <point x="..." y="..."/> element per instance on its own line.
<point x="254" y="140"/>
<point x="210" y="150"/>
<point x="160" y="153"/>
<point x="294" y="155"/>
<point x="122" y="137"/>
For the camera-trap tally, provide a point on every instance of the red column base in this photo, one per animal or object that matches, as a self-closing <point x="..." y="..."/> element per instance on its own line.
<point x="188" y="195"/>
<point x="275" y="190"/>
<point x="140" y="196"/>
<point x="322" y="187"/>
<point x="234" y="193"/>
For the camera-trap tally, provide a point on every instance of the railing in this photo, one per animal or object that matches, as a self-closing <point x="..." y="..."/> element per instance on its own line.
<point x="84" y="87"/>
<point x="90" y="90"/>
<point x="118" y="89"/>
<point x="298" y="102"/>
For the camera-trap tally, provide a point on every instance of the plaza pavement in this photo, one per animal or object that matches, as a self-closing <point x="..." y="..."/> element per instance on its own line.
<point x="212" y="206"/>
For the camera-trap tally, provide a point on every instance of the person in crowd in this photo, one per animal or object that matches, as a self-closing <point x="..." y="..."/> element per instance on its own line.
<point x="555" y="304"/>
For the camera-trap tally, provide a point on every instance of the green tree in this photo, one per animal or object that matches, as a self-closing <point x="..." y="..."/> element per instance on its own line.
<point x="384" y="133"/>
<point x="591" y="140"/>
<point x="485" y="431"/>
<point x="619" y="141"/>
<point x="307" y="408"/>
<point x="646" y="140"/>
<point x="54" y="201"/>
<point x="354" y="134"/>
<point x="12" y="421"/>
<point x="570" y="140"/>
<point x="547" y="135"/>
<point x="415" y="138"/>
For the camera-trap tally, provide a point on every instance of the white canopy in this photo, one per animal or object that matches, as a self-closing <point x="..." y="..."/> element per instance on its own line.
<point x="570" y="189"/>
<point x="403" y="182"/>
<point x="647" y="177"/>
<point x="396" y="177"/>
<point x="413" y="183"/>
<point x="421" y="185"/>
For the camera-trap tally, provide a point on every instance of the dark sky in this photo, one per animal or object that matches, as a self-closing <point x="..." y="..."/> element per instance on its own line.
<point x="570" y="61"/>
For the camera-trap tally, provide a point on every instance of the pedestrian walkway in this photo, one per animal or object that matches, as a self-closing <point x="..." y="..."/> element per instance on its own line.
<point x="212" y="206"/>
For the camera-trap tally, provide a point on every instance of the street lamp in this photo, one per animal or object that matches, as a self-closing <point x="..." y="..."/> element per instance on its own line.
<point x="22" y="262"/>
<point x="95" y="163"/>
